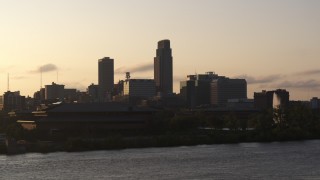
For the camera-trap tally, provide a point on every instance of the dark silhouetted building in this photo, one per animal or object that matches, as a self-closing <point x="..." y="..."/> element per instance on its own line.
<point x="315" y="103"/>
<point x="1" y="103"/>
<point x="13" y="101"/>
<point x="265" y="99"/>
<point x="282" y="97"/>
<point x="39" y="97"/>
<point x="163" y="70"/>
<point x="223" y="89"/>
<point x="84" y="118"/>
<point x="106" y="78"/>
<point x="54" y="92"/>
<point x="139" y="88"/>
<point x="93" y="92"/>
<point x="70" y="95"/>
<point x="196" y="90"/>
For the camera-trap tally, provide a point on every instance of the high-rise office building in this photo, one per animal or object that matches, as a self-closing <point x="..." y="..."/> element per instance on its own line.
<point x="163" y="71"/>
<point x="106" y="78"/>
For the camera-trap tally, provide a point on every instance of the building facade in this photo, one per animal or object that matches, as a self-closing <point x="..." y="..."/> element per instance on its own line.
<point x="139" y="88"/>
<point x="263" y="100"/>
<point x="54" y="92"/>
<point x="315" y="103"/>
<point x="13" y="101"/>
<point x="269" y="99"/>
<point x="223" y="89"/>
<point x="163" y="70"/>
<point x="93" y="92"/>
<point x="105" y="78"/>
<point x="196" y="90"/>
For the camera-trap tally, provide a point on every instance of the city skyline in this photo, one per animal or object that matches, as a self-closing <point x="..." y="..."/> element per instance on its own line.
<point x="270" y="44"/>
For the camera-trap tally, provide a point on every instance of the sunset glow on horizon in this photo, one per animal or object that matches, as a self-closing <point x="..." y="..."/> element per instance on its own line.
<point x="272" y="44"/>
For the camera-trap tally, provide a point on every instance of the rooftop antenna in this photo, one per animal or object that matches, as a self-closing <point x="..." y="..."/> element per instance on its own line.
<point x="8" y="83"/>
<point x="127" y="76"/>
<point x="57" y="76"/>
<point x="40" y="78"/>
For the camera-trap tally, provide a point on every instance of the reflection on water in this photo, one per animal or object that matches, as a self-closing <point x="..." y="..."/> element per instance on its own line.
<point x="278" y="160"/>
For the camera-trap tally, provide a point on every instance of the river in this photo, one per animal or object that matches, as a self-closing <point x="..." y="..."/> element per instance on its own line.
<point x="277" y="160"/>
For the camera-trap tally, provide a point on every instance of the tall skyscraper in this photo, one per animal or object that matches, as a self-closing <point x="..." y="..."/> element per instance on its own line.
<point x="163" y="71"/>
<point x="106" y="78"/>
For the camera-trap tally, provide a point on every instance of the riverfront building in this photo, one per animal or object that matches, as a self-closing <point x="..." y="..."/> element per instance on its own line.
<point x="163" y="70"/>
<point x="105" y="78"/>
<point x="90" y="118"/>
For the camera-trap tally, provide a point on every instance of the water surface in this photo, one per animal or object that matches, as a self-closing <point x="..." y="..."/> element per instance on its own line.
<point x="278" y="160"/>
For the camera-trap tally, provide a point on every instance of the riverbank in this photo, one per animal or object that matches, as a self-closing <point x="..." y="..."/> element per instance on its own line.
<point x="200" y="137"/>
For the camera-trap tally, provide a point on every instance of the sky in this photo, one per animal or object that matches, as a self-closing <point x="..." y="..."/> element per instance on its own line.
<point x="272" y="44"/>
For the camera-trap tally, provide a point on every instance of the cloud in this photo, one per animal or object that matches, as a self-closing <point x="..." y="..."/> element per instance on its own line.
<point x="45" y="68"/>
<point x="261" y="80"/>
<point x="307" y="84"/>
<point x="140" y="68"/>
<point x="75" y="85"/>
<point x="18" y="77"/>
<point x="5" y="69"/>
<point x="309" y="72"/>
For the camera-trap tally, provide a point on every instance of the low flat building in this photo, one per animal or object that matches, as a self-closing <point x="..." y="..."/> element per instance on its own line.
<point x="93" y="117"/>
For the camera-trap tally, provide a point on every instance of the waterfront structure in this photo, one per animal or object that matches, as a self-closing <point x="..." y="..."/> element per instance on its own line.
<point x="105" y="78"/>
<point x="54" y="92"/>
<point x="196" y="90"/>
<point x="224" y="88"/>
<point x="13" y="101"/>
<point x="139" y="88"/>
<point x="163" y="70"/>
<point x="88" y="118"/>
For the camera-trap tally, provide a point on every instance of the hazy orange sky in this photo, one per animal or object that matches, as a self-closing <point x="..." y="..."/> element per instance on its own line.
<point x="272" y="43"/>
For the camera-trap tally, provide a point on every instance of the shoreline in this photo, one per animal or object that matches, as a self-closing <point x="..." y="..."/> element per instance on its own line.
<point x="162" y="141"/>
